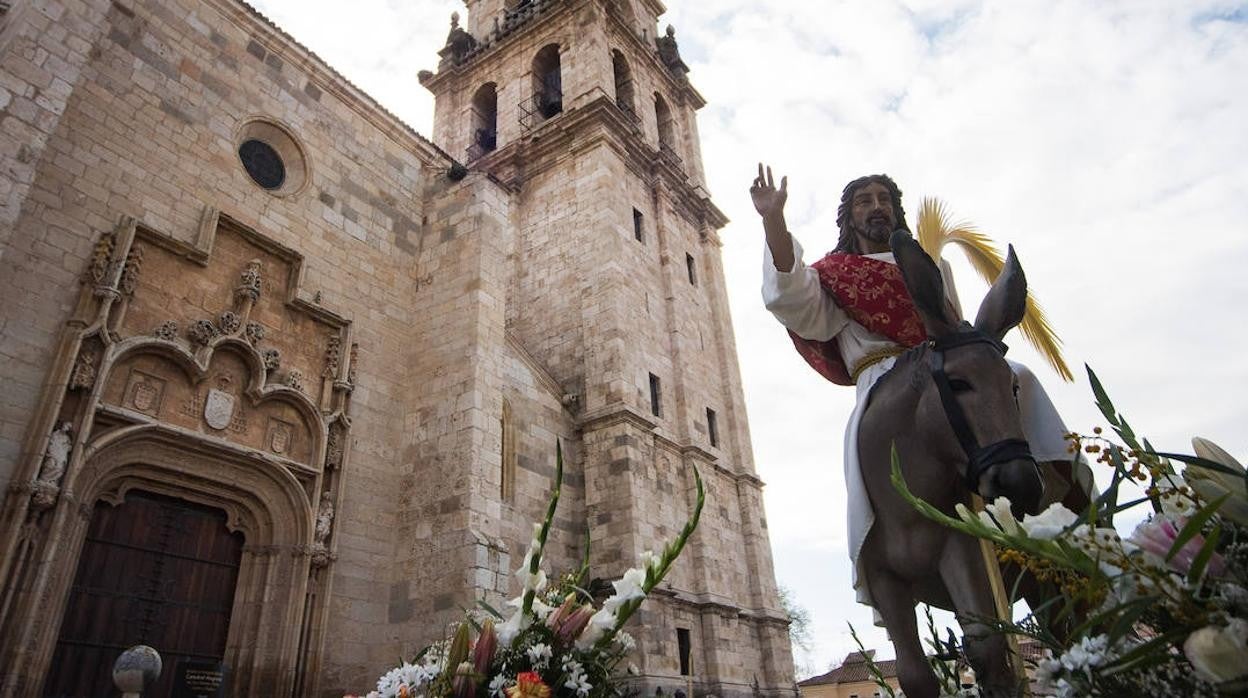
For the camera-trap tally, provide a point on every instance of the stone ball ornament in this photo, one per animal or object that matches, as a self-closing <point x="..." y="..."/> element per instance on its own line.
<point x="136" y="668"/>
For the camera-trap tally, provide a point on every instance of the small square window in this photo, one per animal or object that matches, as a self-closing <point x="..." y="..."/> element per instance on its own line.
<point x="637" y="226"/>
<point x="656" y="396"/>
<point x="693" y="274"/>
<point x="712" y="427"/>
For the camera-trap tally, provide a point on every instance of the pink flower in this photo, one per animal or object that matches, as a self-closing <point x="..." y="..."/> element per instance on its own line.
<point x="1157" y="537"/>
<point x="569" y="619"/>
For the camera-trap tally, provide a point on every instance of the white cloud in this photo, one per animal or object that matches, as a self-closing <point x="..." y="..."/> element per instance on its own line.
<point x="1104" y="139"/>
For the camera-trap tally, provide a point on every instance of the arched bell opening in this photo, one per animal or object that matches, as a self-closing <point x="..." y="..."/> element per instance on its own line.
<point x="547" y="82"/>
<point x="484" y="137"/>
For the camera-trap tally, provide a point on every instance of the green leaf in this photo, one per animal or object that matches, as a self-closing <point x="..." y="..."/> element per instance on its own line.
<point x="1125" y="622"/>
<point x="1123" y="507"/>
<point x="1201" y="561"/>
<point x="876" y="675"/>
<point x="1102" y="398"/>
<point x="584" y="570"/>
<point x="1109" y="615"/>
<point x="1142" y="655"/>
<point x="1193" y="526"/>
<point x="489" y="609"/>
<point x="1201" y="462"/>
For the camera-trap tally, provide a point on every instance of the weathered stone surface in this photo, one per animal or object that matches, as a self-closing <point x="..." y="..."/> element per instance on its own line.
<point x="405" y="307"/>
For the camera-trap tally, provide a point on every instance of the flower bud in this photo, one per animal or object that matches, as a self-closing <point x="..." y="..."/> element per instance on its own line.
<point x="464" y="685"/>
<point x="483" y="653"/>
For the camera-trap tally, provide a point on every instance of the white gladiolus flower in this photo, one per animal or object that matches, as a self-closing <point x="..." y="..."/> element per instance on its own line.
<point x="1050" y="522"/>
<point x="649" y="560"/>
<point x="627" y="588"/>
<point x="510" y="628"/>
<point x="626" y="641"/>
<point x="535" y="582"/>
<point x="1219" y="654"/>
<point x="599" y="624"/>
<point x="1000" y="511"/>
<point x="497" y="684"/>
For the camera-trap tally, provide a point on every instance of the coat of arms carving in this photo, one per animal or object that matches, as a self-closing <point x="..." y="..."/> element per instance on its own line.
<point x="145" y="392"/>
<point x="280" y="436"/>
<point x="219" y="406"/>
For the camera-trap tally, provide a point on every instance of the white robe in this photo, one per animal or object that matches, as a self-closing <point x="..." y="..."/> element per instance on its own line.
<point x="798" y="301"/>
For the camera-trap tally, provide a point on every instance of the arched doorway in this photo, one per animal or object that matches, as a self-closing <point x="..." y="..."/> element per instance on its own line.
<point x="157" y="571"/>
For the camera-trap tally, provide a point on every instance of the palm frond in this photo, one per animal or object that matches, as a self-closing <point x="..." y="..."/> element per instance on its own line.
<point x="936" y="231"/>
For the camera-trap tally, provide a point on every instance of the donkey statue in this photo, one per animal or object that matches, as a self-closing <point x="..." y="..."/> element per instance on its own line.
<point x="949" y="408"/>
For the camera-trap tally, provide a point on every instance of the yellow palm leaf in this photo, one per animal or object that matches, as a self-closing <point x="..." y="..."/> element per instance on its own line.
<point x="936" y="231"/>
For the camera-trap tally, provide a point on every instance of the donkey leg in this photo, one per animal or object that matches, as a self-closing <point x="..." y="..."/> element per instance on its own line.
<point x="962" y="570"/>
<point x="895" y="602"/>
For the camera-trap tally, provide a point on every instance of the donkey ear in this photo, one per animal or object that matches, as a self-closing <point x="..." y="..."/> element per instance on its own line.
<point x="923" y="281"/>
<point x="1006" y="301"/>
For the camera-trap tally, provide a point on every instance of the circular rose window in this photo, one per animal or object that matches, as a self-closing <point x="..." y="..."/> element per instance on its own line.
<point x="263" y="163"/>
<point x="272" y="158"/>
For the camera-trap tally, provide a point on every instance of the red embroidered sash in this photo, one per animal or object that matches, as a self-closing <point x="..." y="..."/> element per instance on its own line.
<point x="874" y="295"/>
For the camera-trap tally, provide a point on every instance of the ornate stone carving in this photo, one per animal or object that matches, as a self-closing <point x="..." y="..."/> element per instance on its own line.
<point x="130" y="271"/>
<point x="101" y="255"/>
<point x="324" y="517"/>
<point x="55" y="459"/>
<point x="281" y="435"/>
<point x="219" y="406"/>
<point x="324" y="524"/>
<point x="167" y="331"/>
<point x="254" y="332"/>
<point x="202" y="332"/>
<point x="249" y="282"/>
<point x="144" y="392"/>
<point x="355" y="356"/>
<point x="272" y="359"/>
<point x="334" y="447"/>
<point x="294" y="379"/>
<point x="229" y="322"/>
<point x="333" y="356"/>
<point x="83" y="375"/>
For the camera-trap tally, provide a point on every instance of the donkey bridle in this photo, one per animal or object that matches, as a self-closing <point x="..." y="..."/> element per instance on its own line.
<point x="978" y="458"/>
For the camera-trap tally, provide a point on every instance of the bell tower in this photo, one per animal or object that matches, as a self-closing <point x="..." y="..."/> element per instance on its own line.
<point x="584" y="113"/>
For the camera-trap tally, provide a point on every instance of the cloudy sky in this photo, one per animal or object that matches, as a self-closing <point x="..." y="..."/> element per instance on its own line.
<point x="1106" y="140"/>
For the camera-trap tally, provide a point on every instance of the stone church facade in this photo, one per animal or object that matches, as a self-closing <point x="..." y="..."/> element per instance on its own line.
<point x="283" y="379"/>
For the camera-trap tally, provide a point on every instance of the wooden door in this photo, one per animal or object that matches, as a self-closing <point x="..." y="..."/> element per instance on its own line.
<point x="155" y="571"/>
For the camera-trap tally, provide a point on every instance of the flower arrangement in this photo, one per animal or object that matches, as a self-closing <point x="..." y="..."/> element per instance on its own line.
<point x="554" y="641"/>
<point x="1162" y="610"/>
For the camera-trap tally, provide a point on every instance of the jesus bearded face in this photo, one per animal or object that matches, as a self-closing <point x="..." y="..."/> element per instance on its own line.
<point x="871" y="217"/>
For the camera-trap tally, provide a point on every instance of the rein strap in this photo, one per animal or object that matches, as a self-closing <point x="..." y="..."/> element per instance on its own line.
<point x="978" y="458"/>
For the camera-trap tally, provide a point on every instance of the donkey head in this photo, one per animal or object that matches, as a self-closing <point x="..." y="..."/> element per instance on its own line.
<point x="970" y="405"/>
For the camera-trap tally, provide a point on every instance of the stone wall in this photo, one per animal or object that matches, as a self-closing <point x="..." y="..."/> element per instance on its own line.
<point x="521" y="283"/>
